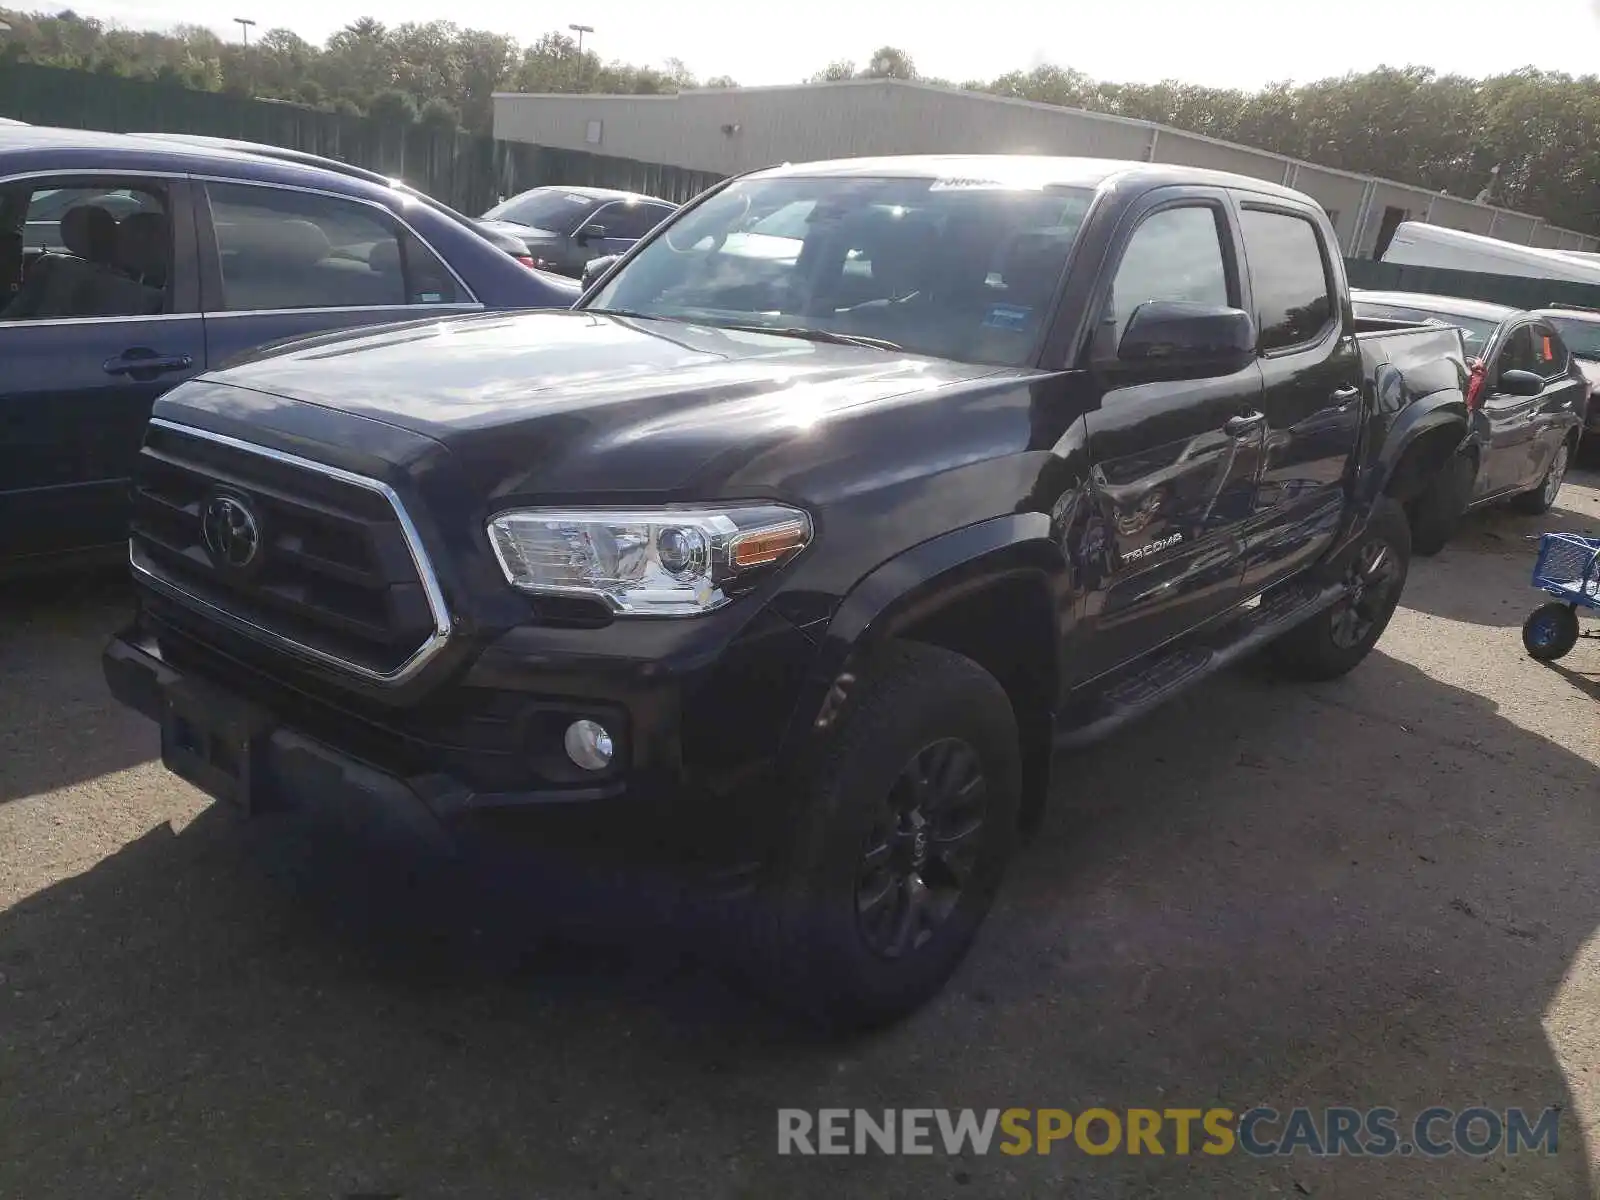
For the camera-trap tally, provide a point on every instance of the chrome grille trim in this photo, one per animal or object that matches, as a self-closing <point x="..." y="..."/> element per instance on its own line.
<point x="420" y="657"/>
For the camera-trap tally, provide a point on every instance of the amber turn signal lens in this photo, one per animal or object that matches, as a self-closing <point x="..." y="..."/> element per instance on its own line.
<point x="766" y="546"/>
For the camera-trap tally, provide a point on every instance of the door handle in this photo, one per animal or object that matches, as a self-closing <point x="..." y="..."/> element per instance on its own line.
<point x="1343" y="396"/>
<point x="139" y="361"/>
<point x="1243" y="424"/>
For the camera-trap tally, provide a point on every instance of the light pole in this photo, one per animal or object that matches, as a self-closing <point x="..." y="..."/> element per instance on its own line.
<point x="580" y="30"/>
<point x="244" y="24"/>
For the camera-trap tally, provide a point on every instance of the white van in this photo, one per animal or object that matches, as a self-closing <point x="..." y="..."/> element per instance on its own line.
<point x="1420" y="245"/>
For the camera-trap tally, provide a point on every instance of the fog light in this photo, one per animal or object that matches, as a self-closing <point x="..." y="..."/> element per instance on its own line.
<point x="589" y="745"/>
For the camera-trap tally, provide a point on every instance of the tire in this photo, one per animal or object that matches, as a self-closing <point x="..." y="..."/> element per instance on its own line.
<point x="1550" y="632"/>
<point x="813" y="943"/>
<point x="1543" y="497"/>
<point x="1436" y="514"/>
<point x="1334" y="641"/>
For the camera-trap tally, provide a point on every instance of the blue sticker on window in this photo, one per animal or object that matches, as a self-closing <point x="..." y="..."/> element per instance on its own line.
<point x="1008" y="316"/>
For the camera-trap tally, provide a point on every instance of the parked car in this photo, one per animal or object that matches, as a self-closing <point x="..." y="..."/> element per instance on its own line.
<point x="1580" y="330"/>
<point x="1526" y="399"/>
<point x="129" y="264"/>
<point x="786" y="595"/>
<point x="512" y="245"/>
<point x="563" y="228"/>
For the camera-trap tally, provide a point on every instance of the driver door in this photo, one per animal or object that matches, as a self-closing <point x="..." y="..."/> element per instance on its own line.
<point x="1173" y="464"/>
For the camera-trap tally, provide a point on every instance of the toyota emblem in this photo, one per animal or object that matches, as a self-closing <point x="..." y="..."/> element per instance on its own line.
<point x="232" y="534"/>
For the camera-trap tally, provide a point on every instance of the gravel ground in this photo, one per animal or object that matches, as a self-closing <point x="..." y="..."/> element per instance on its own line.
<point x="1380" y="891"/>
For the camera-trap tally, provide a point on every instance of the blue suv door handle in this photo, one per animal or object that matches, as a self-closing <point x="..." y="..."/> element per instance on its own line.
<point x="141" y="361"/>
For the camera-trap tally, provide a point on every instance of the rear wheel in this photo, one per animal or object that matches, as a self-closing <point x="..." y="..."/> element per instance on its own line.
<point x="900" y="839"/>
<point x="1436" y="513"/>
<point x="1550" y="632"/>
<point x="1374" y="575"/>
<point x="1543" y="498"/>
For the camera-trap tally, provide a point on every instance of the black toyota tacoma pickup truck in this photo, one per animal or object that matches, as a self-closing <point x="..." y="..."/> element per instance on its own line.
<point x="783" y="565"/>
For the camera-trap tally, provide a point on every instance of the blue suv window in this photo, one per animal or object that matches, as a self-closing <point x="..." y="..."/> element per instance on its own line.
<point x="281" y="249"/>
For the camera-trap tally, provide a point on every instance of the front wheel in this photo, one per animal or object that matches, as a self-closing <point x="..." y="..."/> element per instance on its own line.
<point x="1543" y="498"/>
<point x="901" y="835"/>
<point x="1374" y="575"/>
<point x="1550" y="632"/>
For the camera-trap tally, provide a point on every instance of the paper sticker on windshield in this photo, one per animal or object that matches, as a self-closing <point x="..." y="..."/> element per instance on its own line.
<point x="429" y="298"/>
<point x="1007" y="316"/>
<point x="965" y="185"/>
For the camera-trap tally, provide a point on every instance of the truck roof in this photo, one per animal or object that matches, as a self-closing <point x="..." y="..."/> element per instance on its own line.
<point x="1025" y="171"/>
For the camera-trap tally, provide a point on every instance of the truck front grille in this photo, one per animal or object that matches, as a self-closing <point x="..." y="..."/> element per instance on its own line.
<point x="312" y="559"/>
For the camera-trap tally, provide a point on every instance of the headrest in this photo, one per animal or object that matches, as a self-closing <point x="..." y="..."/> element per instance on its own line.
<point x="90" y="232"/>
<point x="286" y="245"/>
<point x="142" y="243"/>
<point x="1033" y="265"/>
<point x="384" y="257"/>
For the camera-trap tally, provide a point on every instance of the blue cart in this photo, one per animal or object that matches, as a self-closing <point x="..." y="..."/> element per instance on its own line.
<point x="1568" y="569"/>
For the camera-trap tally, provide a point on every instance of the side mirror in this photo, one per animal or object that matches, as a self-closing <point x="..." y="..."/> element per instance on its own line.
<point x="1519" y="383"/>
<point x="597" y="267"/>
<point x="1177" y="338"/>
<point x="589" y="233"/>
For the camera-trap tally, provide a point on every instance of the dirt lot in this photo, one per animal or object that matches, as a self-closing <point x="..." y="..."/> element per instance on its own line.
<point x="1380" y="891"/>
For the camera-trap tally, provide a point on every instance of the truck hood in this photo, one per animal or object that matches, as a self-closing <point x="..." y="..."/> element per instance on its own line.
<point x="576" y="402"/>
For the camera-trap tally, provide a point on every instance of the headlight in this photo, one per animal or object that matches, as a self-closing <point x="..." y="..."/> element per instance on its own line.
<point x="665" y="562"/>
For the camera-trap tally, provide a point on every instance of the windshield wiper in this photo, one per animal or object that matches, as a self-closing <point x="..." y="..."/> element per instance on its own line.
<point x="832" y="337"/>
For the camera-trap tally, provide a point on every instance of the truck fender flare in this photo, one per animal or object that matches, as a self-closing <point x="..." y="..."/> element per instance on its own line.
<point x="1441" y="410"/>
<point x="913" y="583"/>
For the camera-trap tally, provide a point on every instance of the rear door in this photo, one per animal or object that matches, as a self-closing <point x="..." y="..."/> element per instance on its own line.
<point x="1311" y="371"/>
<point x="280" y="262"/>
<point x="1172" y="464"/>
<point x="88" y="343"/>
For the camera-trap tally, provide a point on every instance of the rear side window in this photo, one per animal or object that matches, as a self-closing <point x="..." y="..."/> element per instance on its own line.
<point x="281" y="249"/>
<point x="633" y="221"/>
<point x="1289" y="277"/>
<point x="1174" y="254"/>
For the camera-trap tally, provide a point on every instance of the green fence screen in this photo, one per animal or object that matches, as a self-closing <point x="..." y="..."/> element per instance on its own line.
<point x="467" y="171"/>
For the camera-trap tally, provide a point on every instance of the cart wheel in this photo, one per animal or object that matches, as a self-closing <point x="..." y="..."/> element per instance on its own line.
<point x="1550" y="631"/>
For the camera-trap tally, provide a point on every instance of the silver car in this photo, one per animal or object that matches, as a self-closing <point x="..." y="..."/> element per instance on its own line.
<point x="565" y="227"/>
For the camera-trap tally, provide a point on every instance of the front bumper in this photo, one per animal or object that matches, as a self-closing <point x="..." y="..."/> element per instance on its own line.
<point x="245" y="738"/>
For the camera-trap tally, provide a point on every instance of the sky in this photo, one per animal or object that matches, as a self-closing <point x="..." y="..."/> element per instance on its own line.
<point x="1228" y="43"/>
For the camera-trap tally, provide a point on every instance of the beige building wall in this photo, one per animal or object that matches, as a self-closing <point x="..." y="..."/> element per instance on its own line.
<point x="727" y="132"/>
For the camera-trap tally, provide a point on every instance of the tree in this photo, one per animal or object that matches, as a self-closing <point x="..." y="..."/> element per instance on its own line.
<point x="722" y="81"/>
<point x="393" y="107"/>
<point x="889" y="62"/>
<point x="439" y="115"/>
<point x="840" y="68"/>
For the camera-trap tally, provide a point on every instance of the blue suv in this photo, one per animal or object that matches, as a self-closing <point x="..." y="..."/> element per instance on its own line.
<point x="129" y="264"/>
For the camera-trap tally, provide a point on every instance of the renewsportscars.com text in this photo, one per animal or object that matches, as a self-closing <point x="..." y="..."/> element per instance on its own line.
<point x="1259" y="1132"/>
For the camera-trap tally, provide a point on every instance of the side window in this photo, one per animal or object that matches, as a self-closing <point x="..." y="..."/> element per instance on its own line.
<point x="1550" y="351"/>
<point x="626" y="220"/>
<point x="284" y="249"/>
<point x="101" y="248"/>
<point x="1516" y="353"/>
<point x="427" y="279"/>
<point x="1174" y="254"/>
<point x="1289" y="278"/>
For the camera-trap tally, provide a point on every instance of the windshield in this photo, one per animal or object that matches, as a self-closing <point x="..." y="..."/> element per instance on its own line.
<point x="957" y="269"/>
<point x="1581" y="337"/>
<point x="1475" y="334"/>
<point x="544" y="208"/>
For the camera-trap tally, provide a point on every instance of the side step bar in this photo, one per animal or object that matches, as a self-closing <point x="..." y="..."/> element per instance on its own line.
<point x="1176" y="671"/>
